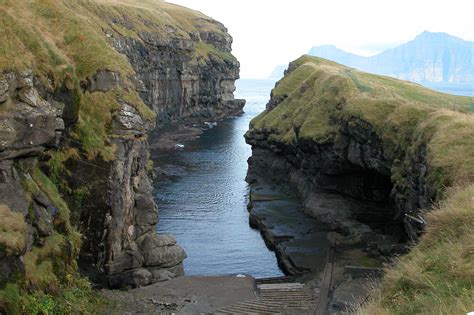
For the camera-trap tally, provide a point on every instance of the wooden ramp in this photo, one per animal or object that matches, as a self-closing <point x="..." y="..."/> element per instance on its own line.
<point x="282" y="295"/>
<point x="276" y="298"/>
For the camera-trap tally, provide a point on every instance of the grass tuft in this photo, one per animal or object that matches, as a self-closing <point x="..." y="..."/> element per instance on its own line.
<point x="438" y="274"/>
<point x="12" y="232"/>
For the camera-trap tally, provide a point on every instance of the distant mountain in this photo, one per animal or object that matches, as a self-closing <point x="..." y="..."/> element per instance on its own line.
<point x="333" y="53"/>
<point x="429" y="58"/>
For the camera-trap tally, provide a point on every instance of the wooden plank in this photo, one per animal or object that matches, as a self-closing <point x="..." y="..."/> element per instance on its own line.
<point x="283" y="286"/>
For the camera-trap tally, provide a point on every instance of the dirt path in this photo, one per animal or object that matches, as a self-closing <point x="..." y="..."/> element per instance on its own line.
<point x="183" y="295"/>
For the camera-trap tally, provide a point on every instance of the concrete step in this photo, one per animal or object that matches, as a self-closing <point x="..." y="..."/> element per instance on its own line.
<point x="276" y="298"/>
<point x="274" y="280"/>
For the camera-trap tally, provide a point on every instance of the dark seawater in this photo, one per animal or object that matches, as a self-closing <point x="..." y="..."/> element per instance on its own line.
<point x="205" y="204"/>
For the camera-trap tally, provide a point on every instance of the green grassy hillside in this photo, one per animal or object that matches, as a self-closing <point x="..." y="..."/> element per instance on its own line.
<point x="318" y="93"/>
<point x="437" y="276"/>
<point x="65" y="42"/>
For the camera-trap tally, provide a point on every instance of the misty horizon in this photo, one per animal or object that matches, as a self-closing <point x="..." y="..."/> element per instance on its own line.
<point x="269" y="35"/>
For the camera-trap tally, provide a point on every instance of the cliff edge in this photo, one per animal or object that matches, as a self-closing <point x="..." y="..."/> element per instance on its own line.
<point x="82" y="83"/>
<point x="389" y="150"/>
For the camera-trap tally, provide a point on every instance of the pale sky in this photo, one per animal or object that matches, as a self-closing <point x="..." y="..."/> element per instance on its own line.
<point x="271" y="32"/>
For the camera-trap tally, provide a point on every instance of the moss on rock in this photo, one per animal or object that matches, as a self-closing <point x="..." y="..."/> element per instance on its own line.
<point x="318" y="94"/>
<point x="12" y="232"/>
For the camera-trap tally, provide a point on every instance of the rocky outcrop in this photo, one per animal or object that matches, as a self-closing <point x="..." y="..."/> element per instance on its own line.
<point x="334" y="149"/>
<point x="117" y="214"/>
<point x="30" y="216"/>
<point x="119" y="224"/>
<point x="176" y="81"/>
<point x="74" y="152"/>
<point x="339" y="184"/>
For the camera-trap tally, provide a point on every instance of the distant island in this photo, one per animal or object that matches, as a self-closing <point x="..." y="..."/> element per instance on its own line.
<point x="437" y="60"/>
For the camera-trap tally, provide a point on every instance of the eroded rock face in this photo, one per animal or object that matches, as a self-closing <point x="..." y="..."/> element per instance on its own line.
<point x="111" y="201"/>
<point x="175" y="83"/>
<point x="122" y="241"/>
<point x="29" y="124"/>
<point x="119" y="216"/>
<point x="353" y="164"/>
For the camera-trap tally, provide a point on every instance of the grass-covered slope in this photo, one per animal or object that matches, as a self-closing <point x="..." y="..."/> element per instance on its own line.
<point x="65" y="42"/>
<point x="316" y="94"/>
<point x="310" y="103"/>
<point x="437" y="275"/>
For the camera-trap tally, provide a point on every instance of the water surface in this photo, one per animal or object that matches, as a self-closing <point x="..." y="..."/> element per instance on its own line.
<point x="205" y="204"/>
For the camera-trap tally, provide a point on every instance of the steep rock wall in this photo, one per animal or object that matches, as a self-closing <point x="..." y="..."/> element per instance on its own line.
<point x="76" y="110"/>
<point x="37" y="241"/>
<point x="329" y="129"/>
<point x="176" y="82"/>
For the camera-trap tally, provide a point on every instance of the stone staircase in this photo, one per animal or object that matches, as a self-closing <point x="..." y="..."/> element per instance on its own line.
<point x="277" y="296"/>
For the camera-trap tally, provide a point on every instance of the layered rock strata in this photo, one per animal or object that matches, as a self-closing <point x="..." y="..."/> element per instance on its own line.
<point x="352" y="152"/>
<point x="31" y="216"/>
<point x="75" y="114"/>
<point x="176" y="83"/>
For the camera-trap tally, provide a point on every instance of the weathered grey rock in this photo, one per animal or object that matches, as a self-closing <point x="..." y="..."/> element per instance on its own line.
<point x="178" y="270"/>
<point x="24" y="79"/>
<point x="167" y="256"/>
<point x="31" y="122"/>
<point x="103" y="81"/>
<point x="174" y="85"/>
<point x="152" y="241"/>
<point x="11" y="190"/>
<point x="30" y="96"/>
<point x="127" y="120"/>
<point x="161" y="250"/>
<point x="162" y="275"/>
<point x="43" y="221"/>
<point x="130" y="259"/>
<point x="4" y="86"/>
<point x="350" y="295"/>
<point x="147" y="214"/>
<point x="141" y="277"/>
<point x="28" y="123"/>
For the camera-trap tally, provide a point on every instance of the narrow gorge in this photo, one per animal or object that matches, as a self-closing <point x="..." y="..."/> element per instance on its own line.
<point x="100" y="102"/>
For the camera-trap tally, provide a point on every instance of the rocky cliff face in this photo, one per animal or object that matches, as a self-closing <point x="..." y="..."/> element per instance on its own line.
<point x="345" y="183"/>
<point x="35" y="223"/>
<point x="329" y="130"/>
<point x="74" y="153"/>
<point x="118" y="215"/>
<point x="178" y="83"/>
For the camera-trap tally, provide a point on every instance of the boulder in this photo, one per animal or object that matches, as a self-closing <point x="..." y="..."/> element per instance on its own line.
<point x="141" y="277"/>
<point x="166" y="256"/>
<point x="125" y="261"/>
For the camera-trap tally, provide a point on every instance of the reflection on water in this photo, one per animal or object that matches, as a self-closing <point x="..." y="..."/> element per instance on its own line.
<point x="205" y="204"/>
